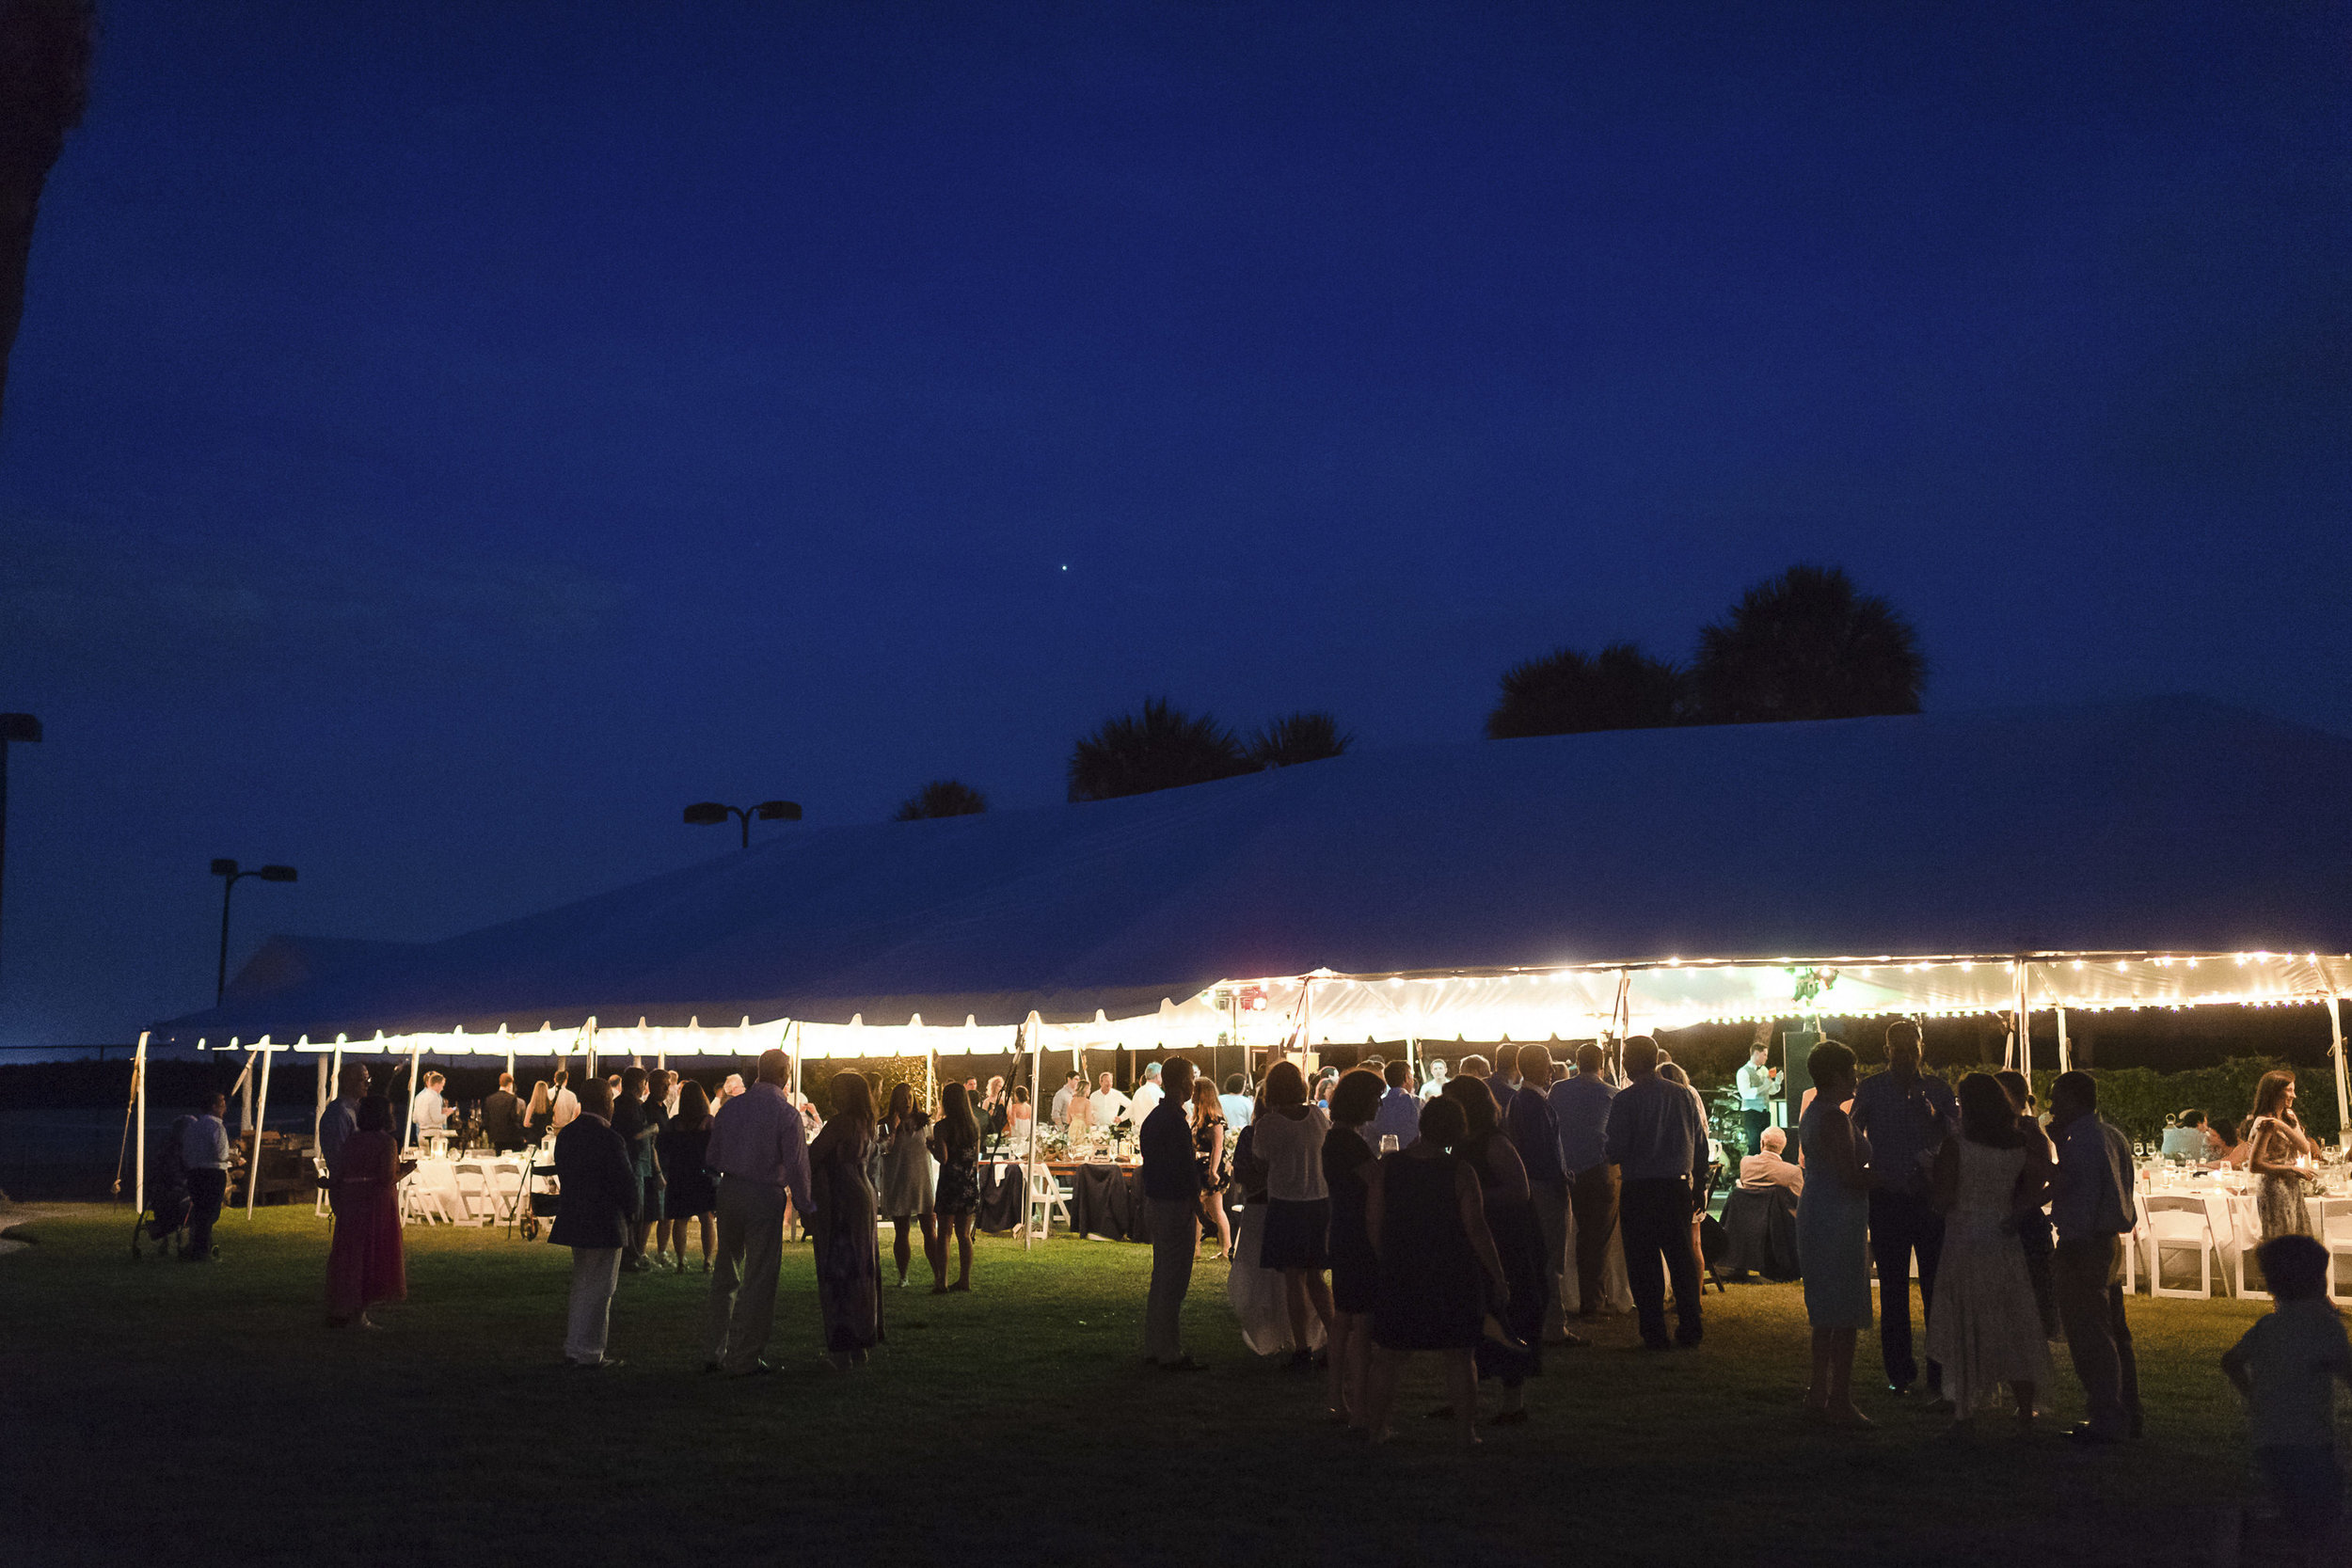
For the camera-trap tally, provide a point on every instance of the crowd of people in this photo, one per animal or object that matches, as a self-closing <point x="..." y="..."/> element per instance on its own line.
<point x="1404" y="1218"/>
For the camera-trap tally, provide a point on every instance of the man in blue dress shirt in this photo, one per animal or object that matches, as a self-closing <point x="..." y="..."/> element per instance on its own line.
<point x="1579" y="1105"/>
<point x="1905" y="1114"/>
<point x="1657" y="1141"/>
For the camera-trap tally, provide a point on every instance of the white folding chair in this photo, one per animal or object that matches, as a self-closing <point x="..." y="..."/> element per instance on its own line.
<point x="1047" y="1199"/>
<point x="2176" y="1224"/>
<point x="475" y="1204"/>
<point x="423" y="1196"/>
<point x="505" y="1176"/>
<point x="2137" y="1237"/>
<point x="2332" y="1216"/>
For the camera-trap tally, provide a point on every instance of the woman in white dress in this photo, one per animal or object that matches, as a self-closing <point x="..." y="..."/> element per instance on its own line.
<point x="1259" y="1296"/>
<point x="1985" y="1329"/>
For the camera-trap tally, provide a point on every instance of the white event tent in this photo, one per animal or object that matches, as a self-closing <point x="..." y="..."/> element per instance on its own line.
<point x="2171" y="852"/>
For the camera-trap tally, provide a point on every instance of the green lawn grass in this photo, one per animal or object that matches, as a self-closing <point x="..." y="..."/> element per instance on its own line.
<point x="189" y="1413"/>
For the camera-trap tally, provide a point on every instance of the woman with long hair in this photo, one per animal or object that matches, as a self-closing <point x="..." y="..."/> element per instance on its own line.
<point x="691" y="1194"/>
<point x="906" y="1180"/>
<point x="1507" y="1199"/>
<point x="1023" y="1125"/>
<point x="2278" y="1151"/>
<point x="2037" y="1237"/>
<point x="539" y="1116"/>
<point x="994" y="1115"/>
<point x="1426" y="1221"/>
<point x="1985" y="1329"/>
<point x="1209" y="1135"/>
<point x="365" y="1263"/>
<point x="1297" y="1240"/>
<point x="849" y="1259"/>
<point x="1833" y="1234"/>
<point x="1355" y="1267"/>
<point x="957" y="1142"/>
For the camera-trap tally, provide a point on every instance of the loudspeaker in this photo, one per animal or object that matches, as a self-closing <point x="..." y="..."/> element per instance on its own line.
<point x="1794" y="1045"/>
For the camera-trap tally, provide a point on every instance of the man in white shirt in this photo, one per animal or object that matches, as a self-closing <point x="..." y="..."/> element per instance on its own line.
<point x="431" y="1111"/>
<point x="566" y="1104"/>
<point x="1435" y="1085"/>
<point x="1236" y="1103"/>
<point x="1064" y="1096"/>
<point x="1758" y="1083"/>
<point x="1148" y="1096"/>
<point x="204" y="1154"/>
<point x="1105" y="1104"/>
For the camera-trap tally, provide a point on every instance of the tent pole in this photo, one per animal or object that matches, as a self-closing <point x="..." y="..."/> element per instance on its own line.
<point x="139" y="1096"/>
<point x="2025" y="1026"/>
<point x="2344" y="1112"/>
<point x="318" y="1107"/>
<point x="245" y="1096"/>
<point x="1028" y="1160"/>
<point x="409" y="1122"/>
<point x="253" y="1171"/>
<point x="2066" y="1053"/>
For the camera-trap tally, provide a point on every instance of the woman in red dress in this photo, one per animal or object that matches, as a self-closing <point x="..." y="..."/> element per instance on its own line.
<point x="366" y="1265"/>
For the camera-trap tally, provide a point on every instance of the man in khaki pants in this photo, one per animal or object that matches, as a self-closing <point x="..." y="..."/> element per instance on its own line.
<point x="2091" y="1203"/>
<point x="1171" y="1192"/>
<point x="759" y="1148"/>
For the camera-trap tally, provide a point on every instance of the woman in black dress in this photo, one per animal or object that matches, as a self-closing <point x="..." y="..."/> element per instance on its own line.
<point x="1518" y="1237"/>
<point x="690" y="1194"/>
<point x="957" y="1142"/>
<point x="845" y="1228"/>
<point x="1427" y="1224"/>
<point x="1354" y="1268"/>
<point x="1211" y="1142"/>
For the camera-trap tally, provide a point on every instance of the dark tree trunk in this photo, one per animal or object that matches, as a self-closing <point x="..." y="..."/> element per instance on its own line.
<point x="44" y="82"/>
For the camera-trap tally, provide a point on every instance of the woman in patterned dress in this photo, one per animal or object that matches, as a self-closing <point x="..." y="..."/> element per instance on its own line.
<point x="2274" y="1146"/>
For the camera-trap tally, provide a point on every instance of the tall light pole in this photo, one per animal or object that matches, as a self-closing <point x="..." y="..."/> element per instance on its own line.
<point x="13" y="727"/>
<point x="230" y="877"/>
<point x="706" y="814"/>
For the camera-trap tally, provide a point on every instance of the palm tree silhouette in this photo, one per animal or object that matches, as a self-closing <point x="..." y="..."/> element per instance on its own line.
<point x="1567" y="692"/>
<point x="1161" y="748"/>
<point x="941" y="797"/>
<point x="45" y="49"/>
<point x="1299" y="737"/>
<point x="1806" y="644"/>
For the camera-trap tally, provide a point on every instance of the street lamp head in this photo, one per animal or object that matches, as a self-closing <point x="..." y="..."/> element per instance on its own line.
<point x="778" y="811"/>
<point x="224" y="868"/>
<point x="704" y="814"/>
<point x="277" y="873"/>
<point x="19" y="727"/>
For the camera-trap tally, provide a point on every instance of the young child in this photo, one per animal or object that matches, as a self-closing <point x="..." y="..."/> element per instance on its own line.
<point x="2287" y="1366"/>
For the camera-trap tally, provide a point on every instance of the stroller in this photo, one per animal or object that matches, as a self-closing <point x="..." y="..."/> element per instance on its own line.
<point x="168" y="1201"/>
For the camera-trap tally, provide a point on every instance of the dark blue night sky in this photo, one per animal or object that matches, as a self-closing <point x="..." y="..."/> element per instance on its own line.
<point x="447" y="439"/>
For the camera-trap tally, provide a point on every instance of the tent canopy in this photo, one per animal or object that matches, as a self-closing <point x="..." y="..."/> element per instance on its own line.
<point x="2171" y="825"/>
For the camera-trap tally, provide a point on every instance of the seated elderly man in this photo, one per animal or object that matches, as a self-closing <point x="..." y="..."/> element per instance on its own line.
<point x="1769" y="1169"/>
